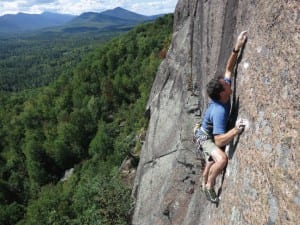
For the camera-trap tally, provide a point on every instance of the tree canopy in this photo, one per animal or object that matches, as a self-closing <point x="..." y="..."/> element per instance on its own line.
<point x="86" y="117"/>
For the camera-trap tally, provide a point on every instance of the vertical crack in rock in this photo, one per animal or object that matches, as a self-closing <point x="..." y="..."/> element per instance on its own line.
<point x="228" y="32"/>
<point x="192" y="27"/>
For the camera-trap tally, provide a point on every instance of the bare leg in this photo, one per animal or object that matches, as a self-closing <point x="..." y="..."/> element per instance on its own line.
<point x="220" y="159"/>
<point x="206" y="172"/>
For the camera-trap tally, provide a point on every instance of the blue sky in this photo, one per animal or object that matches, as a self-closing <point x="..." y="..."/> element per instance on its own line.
<point x="76" y="7"/>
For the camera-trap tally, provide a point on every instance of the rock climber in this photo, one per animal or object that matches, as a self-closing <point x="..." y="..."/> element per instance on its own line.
<point x="212" y="133"/>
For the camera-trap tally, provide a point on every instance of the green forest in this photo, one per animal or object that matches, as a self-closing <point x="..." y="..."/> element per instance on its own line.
<point x="37" y="59"/>
<point x="67" y="103"/>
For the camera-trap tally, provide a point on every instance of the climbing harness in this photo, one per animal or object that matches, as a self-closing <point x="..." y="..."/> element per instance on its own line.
<point x="200" y="135"/>
<point x="199" y="150"/>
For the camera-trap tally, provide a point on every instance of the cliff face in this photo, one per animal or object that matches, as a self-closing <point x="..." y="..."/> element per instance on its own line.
<point x="261" y="184"/>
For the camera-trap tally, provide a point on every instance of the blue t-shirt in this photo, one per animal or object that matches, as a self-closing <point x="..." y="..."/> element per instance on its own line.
<point x="216" y="116"/>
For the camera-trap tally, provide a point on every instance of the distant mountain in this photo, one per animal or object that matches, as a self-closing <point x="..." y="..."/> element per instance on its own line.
<point x="25" y="22"/>
<point x="114" y="19"/>
<point x="125" y="14"/>
<point x="110" y="20"/>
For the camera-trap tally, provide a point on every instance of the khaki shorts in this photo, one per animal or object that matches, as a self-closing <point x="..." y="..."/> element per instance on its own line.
<point x="208" y="146"/>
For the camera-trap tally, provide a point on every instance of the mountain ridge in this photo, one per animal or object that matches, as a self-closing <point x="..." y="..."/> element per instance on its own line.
<point x="117" y="18"/>
<point x="22" y="22"/>
<point x="125" y="14"/>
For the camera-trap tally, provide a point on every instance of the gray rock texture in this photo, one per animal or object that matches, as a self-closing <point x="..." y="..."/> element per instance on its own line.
<point x="261" y="184"/>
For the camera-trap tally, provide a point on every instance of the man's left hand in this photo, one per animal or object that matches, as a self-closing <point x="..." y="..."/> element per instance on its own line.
<point x="241" y="40"/>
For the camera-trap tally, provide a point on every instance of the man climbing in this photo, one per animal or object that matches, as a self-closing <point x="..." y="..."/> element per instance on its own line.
<point x="212" y="133"/>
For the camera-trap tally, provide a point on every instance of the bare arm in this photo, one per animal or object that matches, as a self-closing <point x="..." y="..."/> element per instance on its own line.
<point x="234" y="54"/>
<point x="223" y="139"/>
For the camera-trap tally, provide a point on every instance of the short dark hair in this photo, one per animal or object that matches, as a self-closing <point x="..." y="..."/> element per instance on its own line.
<point x="214" y="88"/>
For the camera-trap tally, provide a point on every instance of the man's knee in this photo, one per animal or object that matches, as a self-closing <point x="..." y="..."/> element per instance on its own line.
<point x="224" y="160"/>
<point x="220" y="157"/>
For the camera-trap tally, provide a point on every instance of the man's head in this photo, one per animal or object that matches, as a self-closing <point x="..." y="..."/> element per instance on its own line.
<point x="218" y="89"/>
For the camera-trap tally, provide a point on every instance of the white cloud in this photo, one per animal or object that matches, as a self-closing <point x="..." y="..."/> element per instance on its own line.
<point x="77" y="7"/>
<point x="153" y="7"/>
<point x="146" y="7"/>
<point x="9" y="7"/>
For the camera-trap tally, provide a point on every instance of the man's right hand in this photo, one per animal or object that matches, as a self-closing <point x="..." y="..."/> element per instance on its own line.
<point x="240" y="125"/>
<point x="239" y="130"/>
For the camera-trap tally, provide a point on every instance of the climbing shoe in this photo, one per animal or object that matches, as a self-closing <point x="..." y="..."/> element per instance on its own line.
<point x="211" y="195"/>
<point x="204" y="189"/>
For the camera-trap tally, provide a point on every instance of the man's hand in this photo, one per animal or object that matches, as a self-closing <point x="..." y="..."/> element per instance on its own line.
<point x="241" y="125"/>
<point x="239" y="130"/>
<point x="233" y="57"/>
<point x="241" y="40"/>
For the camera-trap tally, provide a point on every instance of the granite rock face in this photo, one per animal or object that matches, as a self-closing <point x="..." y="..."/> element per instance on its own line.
<point x="261" y="184"/>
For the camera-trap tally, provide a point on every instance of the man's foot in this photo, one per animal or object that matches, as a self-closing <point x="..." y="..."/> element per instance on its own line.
<point x="204" y="189"/>
<point x="211" y="195"/>
<point x="206" y="193"/>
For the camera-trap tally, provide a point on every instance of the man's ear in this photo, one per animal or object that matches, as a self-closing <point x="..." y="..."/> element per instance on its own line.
<point x="222" y="94"/>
